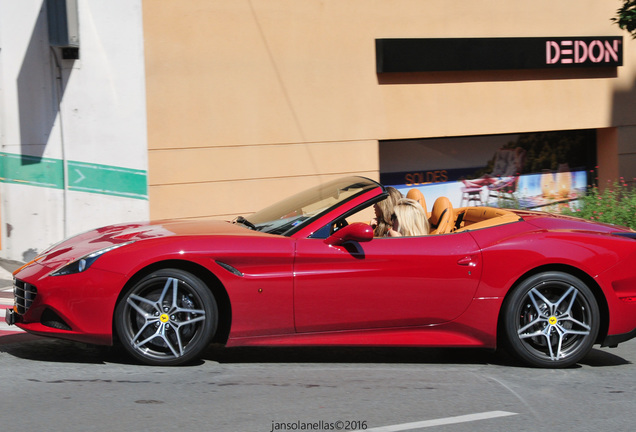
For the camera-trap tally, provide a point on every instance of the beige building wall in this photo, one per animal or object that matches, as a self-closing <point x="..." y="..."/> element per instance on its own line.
<point x="250" y="101"/>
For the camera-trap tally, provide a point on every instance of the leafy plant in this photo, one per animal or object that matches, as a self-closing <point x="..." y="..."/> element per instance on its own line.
<point x="626" y="17"/>
<point x="615" y="204"/>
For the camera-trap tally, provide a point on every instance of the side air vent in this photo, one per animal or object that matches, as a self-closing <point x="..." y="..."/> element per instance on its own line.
<point x="229" y="268"/>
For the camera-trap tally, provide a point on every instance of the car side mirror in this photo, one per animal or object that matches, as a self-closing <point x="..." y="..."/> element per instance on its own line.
<point x="357" y="232"/>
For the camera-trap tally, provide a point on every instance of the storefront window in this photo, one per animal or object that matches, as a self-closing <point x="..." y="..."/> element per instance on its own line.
<point x="531" y="170"/>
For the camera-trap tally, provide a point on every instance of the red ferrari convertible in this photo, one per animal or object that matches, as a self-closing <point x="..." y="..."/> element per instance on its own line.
<point x="305" y="271"/>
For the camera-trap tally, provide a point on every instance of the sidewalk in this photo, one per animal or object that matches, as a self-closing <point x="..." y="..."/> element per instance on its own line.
<point x="6" y="268"/>
<point x="6" y="293"/>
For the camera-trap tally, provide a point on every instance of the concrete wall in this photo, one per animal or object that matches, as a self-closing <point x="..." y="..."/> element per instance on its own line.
<point x="251" y="100"/>
<point x="73" y="132"/>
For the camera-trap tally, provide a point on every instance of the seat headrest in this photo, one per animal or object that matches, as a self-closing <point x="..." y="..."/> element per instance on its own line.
<point x="416" y="195"/>
<point x="442" y="217"/>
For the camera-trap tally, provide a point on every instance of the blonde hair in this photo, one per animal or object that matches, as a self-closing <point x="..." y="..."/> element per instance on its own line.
<point x="411" y="218"/>
<point x="386" y="208"/>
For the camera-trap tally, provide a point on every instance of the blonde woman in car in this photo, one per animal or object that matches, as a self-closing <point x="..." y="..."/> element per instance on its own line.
<point x="383" y="211"/>
<point x="409" y="219"/>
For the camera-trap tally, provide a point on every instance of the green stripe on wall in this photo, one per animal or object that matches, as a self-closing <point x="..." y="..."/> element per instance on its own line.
<point x="82" y="176"/>
<point x="34" y="171"/>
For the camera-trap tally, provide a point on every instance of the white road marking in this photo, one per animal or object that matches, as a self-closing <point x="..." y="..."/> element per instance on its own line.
<point x="442" y="421"/>
<point x="4" y="327"/>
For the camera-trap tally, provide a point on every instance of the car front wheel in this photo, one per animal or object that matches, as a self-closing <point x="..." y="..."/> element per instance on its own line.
<point x="167" y="318"/>
<point x="551" y="319"/>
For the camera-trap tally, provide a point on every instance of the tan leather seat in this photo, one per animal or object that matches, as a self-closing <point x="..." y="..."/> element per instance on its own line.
<point x="416" y="194"/>
<point x="442" y="216"/>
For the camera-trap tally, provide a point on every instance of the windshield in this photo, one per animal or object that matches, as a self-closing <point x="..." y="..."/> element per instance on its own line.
<point x="289" y="215"/>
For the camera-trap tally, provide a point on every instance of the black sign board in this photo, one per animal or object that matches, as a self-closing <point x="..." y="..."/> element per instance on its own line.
<point x="466" y="54"/>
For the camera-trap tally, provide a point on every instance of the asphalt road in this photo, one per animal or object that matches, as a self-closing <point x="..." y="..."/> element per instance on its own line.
<point x="57" y="385"/>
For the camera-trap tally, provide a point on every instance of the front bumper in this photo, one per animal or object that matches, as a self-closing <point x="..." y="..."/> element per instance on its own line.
<point x="78" y="307"/>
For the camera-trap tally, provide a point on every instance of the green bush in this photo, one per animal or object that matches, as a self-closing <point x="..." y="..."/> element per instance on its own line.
<point x="615" y="204"/>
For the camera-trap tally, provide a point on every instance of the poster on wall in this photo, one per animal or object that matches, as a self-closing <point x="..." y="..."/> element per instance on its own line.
<point x="541" y="171"/>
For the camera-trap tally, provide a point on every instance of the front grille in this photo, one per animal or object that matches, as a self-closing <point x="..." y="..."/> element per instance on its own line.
<point x="23" y="294"/>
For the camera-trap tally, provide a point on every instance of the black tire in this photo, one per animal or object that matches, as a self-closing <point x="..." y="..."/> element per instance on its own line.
<point x="167" y="318"/>
<point x="550" y="320"/>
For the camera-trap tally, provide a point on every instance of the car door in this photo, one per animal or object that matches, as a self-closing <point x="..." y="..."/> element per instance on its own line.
<point x="383" y="283"/>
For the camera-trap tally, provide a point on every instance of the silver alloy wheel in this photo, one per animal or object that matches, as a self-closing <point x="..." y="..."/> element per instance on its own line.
<point x="552" y="320"/>
<point x="167" y="318"/>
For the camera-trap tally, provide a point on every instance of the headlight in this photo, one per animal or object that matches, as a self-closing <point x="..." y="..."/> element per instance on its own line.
<point x="83" y="263"/>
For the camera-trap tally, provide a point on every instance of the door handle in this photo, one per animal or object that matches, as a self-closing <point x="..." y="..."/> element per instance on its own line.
<point x="467" y="261"/>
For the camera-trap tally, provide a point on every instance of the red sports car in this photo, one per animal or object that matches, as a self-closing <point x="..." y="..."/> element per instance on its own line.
<point x="304" y="272"/>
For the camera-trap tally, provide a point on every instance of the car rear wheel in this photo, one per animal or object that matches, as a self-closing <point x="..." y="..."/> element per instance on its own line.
<point x="551" y="319"/>
<point x="167" y="318"/>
